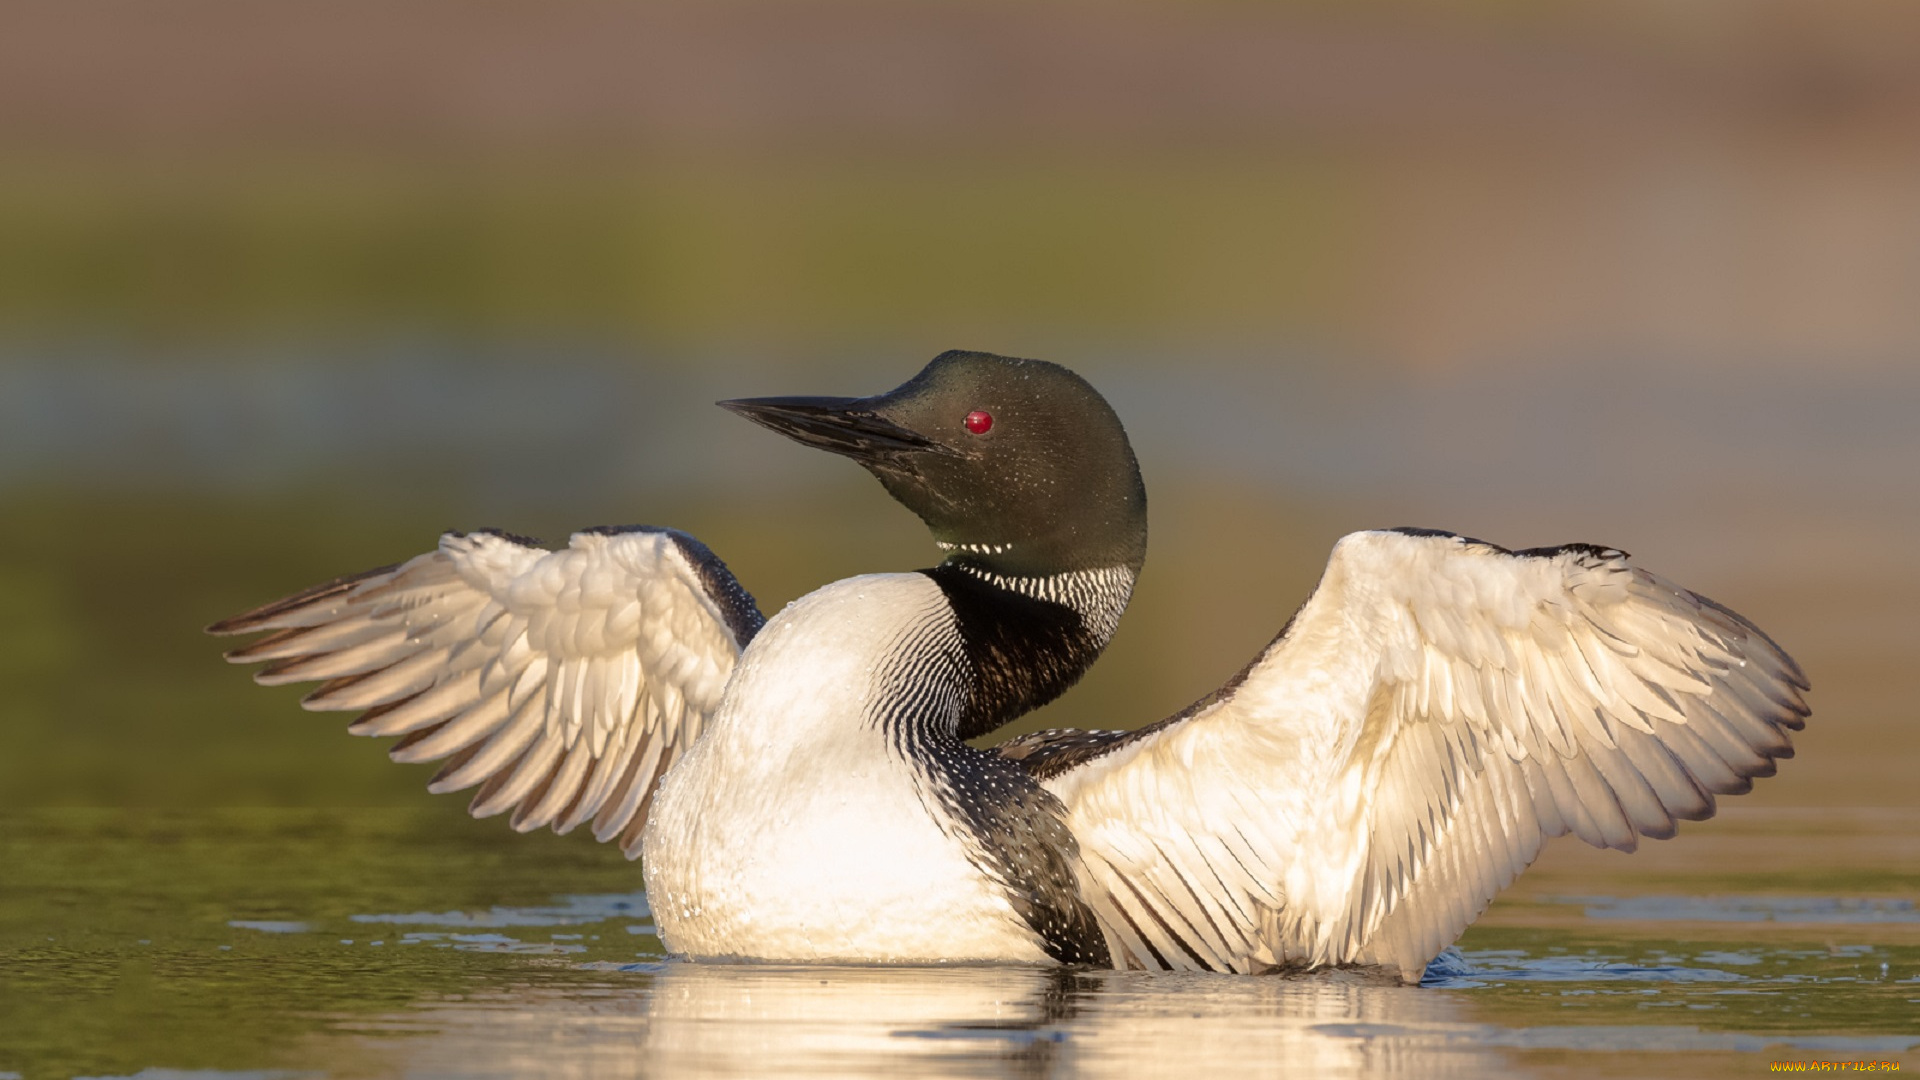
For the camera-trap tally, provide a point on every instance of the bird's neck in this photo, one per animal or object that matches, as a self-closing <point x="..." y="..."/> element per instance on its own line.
<point x="1027" y="636"/>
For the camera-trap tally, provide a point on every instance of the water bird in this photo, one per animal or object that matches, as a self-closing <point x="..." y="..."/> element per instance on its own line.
<point x="803" y="788"/>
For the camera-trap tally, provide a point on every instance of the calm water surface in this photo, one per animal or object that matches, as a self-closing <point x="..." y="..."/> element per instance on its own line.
<point x="408" y="942"/>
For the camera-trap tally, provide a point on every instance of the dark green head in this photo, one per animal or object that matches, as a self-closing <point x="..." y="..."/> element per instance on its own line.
<point x="1018" y="465"/>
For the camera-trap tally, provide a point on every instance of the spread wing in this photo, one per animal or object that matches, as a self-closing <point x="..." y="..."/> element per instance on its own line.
<point x="1438" y="709"/>
<point x="563" y="683"/>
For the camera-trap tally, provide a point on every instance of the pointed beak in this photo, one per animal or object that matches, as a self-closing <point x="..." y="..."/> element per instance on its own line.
<point x="848" y="426"/>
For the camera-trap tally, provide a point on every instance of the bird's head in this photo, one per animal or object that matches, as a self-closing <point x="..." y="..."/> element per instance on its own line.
<point x="1017" y="465"/>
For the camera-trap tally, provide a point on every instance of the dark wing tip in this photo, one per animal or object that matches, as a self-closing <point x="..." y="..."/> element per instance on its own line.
<point x="261" y="618"/>
<point x="251" y="651"/>
<point x="1795" y="675"/>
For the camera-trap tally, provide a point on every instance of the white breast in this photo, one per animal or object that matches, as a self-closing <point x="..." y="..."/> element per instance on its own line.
<point x="795" y="830"/>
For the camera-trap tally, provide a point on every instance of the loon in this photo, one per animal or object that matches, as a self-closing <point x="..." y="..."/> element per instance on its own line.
<point x="804" y="788"/>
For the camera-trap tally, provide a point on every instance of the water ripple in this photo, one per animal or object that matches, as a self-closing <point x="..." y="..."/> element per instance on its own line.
<point x="1454" y="970"/>
<point x="1800" y="909"/>
<point x="569" y="911"/>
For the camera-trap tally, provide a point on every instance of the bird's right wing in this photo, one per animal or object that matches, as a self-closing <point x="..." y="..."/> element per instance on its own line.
<point x="564" y="683"/>
<point x="1436" y="711"/>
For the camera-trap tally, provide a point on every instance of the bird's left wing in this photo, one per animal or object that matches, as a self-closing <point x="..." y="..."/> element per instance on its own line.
<point x="1436" y="711"/>
<point x="564" y="683"/>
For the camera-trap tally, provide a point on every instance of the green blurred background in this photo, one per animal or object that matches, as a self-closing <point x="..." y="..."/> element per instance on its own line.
<point x="287" y="289"/>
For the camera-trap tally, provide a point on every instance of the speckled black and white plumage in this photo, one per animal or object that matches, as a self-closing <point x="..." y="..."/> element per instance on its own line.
<point x="1048" y="753"/>
<point x="867" y="777"/>
<point x="1016" y="833"/>
<point x="1012" y="645"/>
<point x="1028" y="638"/>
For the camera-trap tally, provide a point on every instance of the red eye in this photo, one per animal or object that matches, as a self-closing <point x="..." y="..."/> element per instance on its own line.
<point x="979" y="422"/>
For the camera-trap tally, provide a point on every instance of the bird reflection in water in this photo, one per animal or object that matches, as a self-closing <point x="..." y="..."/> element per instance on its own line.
<point x="706" y="1019"/>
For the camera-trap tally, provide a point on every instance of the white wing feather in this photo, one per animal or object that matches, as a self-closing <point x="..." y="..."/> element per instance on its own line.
<point x="1438" y="709"/>
<point x="563" y="683"/>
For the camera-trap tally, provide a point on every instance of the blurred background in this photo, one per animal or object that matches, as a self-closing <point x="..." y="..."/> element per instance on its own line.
<point x="287" y="289"/>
